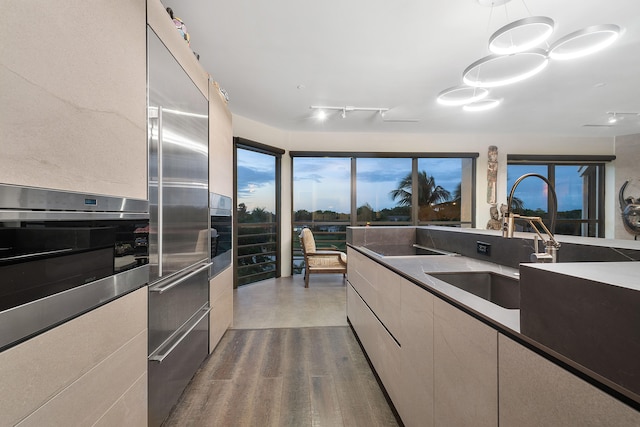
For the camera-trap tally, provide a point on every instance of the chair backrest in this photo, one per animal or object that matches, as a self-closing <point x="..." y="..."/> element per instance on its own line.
<point x="307" y="241"/>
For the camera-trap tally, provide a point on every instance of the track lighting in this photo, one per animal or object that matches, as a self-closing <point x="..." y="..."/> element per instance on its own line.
<point x="616" y="116"/>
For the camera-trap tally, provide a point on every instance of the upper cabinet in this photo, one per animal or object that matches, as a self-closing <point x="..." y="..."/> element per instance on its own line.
<point x="73" y="96"/>
<point x="161" y="23"/>
<point x="220" y="144"/>
<point x="220" y="131"/>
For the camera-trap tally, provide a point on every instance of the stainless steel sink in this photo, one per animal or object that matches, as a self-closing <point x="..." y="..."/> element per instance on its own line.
<point x="496" y="288"/>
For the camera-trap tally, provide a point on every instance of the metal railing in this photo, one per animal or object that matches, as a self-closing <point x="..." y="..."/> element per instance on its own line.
<point x="256" y="257"/>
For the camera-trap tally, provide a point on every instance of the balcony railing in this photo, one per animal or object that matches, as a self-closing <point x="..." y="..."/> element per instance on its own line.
<point x="256" y="252"/>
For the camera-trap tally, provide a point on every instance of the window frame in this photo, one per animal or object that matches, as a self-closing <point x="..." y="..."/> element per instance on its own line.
<point x="414" y="156"/>
<point x="551" y="161"/>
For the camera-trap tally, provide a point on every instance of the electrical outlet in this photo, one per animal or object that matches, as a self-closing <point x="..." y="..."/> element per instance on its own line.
<point x="483" y="248"/>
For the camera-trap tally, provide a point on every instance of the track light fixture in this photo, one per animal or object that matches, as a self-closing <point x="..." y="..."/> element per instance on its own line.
<point x="616" y="116"/>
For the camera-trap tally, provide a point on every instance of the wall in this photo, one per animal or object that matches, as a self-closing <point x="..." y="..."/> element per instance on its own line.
<point x="627" y="150"/>
<point x="73" y="96"/>
<point x="411" y="143"/>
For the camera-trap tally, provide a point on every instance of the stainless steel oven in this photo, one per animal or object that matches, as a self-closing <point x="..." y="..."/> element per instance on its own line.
<point x="63" y="254"/>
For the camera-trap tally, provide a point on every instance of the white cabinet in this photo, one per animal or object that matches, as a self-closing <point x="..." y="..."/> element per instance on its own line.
<point x="466" y="371"/>
<point x="220" y="144"/>
<point x="73" y="96"/>
<point x="443" y="367"/>
<point x="394" y="322"/>
<point x="92" y="369"/>
<point x="536" y="392"/>
<point x="221" y="300"/>
<point x="416" y="404"/>
<point x="379" y="287"/>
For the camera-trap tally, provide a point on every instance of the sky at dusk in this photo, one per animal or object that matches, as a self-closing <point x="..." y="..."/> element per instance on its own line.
<point x="323" y="183"/>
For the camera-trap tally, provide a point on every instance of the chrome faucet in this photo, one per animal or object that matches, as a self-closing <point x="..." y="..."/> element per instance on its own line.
<point x="551" y="245"/>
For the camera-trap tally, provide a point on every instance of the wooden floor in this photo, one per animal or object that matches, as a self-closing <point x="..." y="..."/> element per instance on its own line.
<point x="285" y="377"/>
<point x="311" y="376"/>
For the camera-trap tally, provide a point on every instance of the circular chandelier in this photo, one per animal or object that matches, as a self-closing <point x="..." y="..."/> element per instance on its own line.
<point x="515" y="56"/>
<point x="521" y="35"/>
<point x="502" y="70"/>
<point x="584" y="42"/>
<point x="461" y="95"/>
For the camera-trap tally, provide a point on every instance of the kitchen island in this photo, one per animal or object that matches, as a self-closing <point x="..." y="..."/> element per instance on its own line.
<point x="449" y="357"/>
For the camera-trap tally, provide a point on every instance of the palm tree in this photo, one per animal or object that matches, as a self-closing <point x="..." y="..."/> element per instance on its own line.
<point x="428" y="192"/>
<point x="517" y="205"/>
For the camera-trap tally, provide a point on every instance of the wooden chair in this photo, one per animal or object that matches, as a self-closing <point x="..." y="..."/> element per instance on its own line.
<point x="320" y="261"/>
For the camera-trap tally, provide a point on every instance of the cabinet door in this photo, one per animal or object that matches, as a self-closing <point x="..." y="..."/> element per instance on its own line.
<point x="221" y="295"/>
<point x="416" y="405"/>
<point x="466" y="375"/>
<point x="362" y="277"/>
<point x="536" y="392"/>
<point x="389" y="290"/>
<point x="220" y="144"/>
<point x="73" y="96"/>
<point x="89" y="370"/>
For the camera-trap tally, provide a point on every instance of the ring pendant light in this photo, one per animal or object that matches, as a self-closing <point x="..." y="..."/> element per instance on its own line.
<point x="461" y="95"/>
<point x="482" y="105"/>
<point x="584" y="42"/>
<point x="521" y="35"/>
<point x="502" y="70"/>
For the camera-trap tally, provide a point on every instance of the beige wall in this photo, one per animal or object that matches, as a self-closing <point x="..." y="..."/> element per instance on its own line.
<point x="73" y="96"/>
<point x="411" y="143"/>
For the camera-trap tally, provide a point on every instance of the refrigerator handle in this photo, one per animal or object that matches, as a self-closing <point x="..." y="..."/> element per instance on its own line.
<point x="159" y="357"/>
<point x="160" y="197"/>
<point x="173" y="284"/>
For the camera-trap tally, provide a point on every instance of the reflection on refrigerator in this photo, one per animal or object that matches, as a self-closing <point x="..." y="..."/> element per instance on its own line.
<point x="179" y="229"/>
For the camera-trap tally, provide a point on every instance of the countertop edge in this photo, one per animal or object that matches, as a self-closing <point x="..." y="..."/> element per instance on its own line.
<point x="475" y="310"/>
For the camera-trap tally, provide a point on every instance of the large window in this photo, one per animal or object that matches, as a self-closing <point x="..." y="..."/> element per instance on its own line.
<point x="334" y="190"/>
<point x="445" y="186"/>
<point x="321" y="202"/>
<point x="579" y="187"/>
<point x="257" y="219"/>
<point x="383" y="190"/>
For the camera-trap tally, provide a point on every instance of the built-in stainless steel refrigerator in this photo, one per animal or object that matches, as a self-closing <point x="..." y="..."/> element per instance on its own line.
<point x="179" y="229"/>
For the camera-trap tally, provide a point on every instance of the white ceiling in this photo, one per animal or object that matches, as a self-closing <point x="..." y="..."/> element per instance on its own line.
<point x="276" y="58"/>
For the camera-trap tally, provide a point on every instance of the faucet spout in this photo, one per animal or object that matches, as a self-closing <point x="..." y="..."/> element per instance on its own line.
<point x="508" y="225"/>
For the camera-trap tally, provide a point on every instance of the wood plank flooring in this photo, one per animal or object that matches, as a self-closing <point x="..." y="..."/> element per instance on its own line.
<point x="313" y="376"/>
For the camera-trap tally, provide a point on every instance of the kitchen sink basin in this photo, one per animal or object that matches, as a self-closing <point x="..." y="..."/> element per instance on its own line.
<point x="496" y="288"/>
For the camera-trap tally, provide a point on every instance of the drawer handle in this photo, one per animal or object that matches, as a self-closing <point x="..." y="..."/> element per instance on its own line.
<point x="173" y="284"/>
<point x="159" y="357"/>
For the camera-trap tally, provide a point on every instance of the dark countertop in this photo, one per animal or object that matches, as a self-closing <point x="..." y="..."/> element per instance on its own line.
<point x="622" y="274"/>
